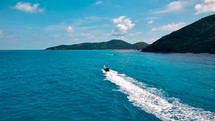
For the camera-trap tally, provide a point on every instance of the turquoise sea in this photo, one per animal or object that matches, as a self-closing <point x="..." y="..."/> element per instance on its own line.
<point x="43" y="85"/>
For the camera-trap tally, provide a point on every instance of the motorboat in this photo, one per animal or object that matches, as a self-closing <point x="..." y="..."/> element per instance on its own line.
<point x="106" y="69"/>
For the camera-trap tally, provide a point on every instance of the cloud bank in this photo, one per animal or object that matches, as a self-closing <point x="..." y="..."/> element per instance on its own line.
<point x="205" y="6"/>
<point x="169" y="27"/>
<point x="172" y="7"/>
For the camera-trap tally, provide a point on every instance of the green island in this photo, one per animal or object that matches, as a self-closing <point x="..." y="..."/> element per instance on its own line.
<point x="112" y="44"/>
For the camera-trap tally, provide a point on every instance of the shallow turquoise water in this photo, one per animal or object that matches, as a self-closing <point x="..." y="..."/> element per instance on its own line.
<point x="69" y="85"/>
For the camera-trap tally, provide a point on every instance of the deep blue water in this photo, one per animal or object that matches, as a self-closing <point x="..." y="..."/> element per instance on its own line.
<point x="69" y="85"/>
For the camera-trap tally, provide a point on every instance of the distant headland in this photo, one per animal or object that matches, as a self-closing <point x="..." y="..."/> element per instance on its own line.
<point x="112" y="44"/>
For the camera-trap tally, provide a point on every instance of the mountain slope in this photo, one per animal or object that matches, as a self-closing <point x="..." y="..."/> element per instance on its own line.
<point x="140" y="45"/>
<point x="198" y="37"/>
<point x="112" y="44"/>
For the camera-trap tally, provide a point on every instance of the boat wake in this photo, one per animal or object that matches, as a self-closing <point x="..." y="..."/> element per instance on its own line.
<point x="151" y="100"/>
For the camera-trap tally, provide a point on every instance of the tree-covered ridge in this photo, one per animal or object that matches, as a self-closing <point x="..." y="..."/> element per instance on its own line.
<point x="112" y="44"/>
<point x="198" y="37"/>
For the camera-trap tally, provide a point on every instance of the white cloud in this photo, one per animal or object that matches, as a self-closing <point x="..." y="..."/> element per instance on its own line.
<point x="150" y="22"/>
<point x="99" y="2"/>
<point x="123" y="25"/>
<point x="119" y="20"/>
<point x="169" y="27"/>
<point x="28" y="7"/>
<point x="173" y="7"/>
<point x="69" y="29"/>
<point x="205" y="6"/>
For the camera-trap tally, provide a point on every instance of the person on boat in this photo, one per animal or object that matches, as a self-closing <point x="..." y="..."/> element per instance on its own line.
<point x="106" y="68"/>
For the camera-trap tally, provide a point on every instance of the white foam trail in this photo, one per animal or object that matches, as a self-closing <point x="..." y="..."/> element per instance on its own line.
<point x="150" y="101"/>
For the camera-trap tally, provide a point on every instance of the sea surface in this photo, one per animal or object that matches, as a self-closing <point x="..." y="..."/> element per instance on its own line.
<point x="41" y="85"/>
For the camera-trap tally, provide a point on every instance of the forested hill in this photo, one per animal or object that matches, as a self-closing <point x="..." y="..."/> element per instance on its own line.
<point x="112" y="44"/>
<point x="198" y="37"/>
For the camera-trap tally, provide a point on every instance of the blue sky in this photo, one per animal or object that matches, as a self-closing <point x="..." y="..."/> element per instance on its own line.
<point x="37" y="24"/>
